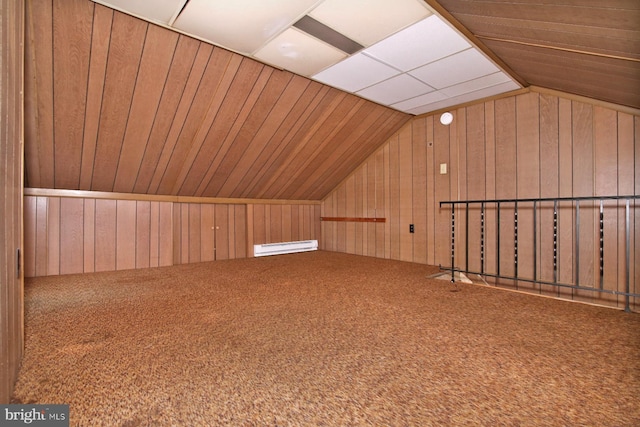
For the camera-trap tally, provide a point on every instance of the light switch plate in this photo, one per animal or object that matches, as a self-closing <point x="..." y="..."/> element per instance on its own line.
<point x="443" y="168"/>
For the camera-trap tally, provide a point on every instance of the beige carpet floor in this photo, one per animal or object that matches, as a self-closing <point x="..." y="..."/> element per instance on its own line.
<point x="321" y="339"/>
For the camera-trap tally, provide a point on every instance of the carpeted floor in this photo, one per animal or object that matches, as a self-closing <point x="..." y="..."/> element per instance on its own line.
<point x="321" y="339"/>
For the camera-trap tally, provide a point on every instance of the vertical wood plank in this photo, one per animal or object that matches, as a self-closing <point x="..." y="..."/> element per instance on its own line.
<point x="143" y="234"/>
<point x="195" y="232"/>
<point x="490" y="187"/>
<point x="89" y="219"/>
<point x="105" y="235"/>
<point x="42" y="233"/>
<point x="154" y="234"/>
<point x="275" y="223"/>
<point x="405" y="193"/>
<point x="222" y="232"/>
<point x="419" y="200"/>
<point x="249" y="227"/>
<point x="380" y="210"/>
<point x="286" y="223"/>
<point x="207" y="227"/>
<point x="125" y="230"/>
<point x="240" y="231"/>
<point x="442" y="236"/>
<point x="605" y="141"/>
<point x="53" y="236"/>
<point x="350" y="212"/>
<point x="431" y="193"/>
<point x="566" y="259"/>
<point x="528" y="178"/>
<point x="259" y="226"/>
<point x="475" y="177"/>
<point x="30" y="237"/>
<point x="626" y="168"/>
<point x="166" y="234"/>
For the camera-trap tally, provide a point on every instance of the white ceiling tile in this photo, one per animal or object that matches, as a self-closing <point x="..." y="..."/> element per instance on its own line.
<point x="240" y="25"/>
<point x="395" y="89"/>
<point x="475" y="84"/>
<point x="454" y="69"/>
<point x="157" y="11"/>
<point x="355" y="73"/>
<point x="469" y="97"/>
<point x="421" y="100"/>
<point x="369" y="21"/>
<point x="419" y="44"/>
<point x="300" y="53"/>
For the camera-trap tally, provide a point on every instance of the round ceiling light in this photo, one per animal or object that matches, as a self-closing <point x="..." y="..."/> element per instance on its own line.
<point x="446" y="118"/>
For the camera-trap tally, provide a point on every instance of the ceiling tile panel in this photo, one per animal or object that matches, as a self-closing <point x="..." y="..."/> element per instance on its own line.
<point x="428" y="40"/>
<point x="296" y="51"/>
<point x="161" y="11"/>
<point x="240" y="25"/>
<point x="375" y="19"/>
<point x="395" y="89"/>
<point x="460" y="67"/>
<point x="355" y="73"/>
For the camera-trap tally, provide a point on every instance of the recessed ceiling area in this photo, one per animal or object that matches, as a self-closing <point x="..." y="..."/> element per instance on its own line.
<point x="410" y="58"/>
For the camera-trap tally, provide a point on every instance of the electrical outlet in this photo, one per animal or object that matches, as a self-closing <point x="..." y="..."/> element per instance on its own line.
<point x="443" y="168"/>
<point x="411" y="229"/>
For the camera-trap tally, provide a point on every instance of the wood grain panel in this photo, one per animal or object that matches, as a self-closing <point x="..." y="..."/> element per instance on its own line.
<point x="53" y="236"/>
<point x="71" y="35"/>
<point x="526" y="145"/>
<point x="42" y="206"/>
<point x="240" y="231"/>
<point x="125" y="49"/>
<point x="125" y="234"/>
<point x="12" y="246"/>
<point x="183" y="60"/>
<point x="208" y="232"/>
<point x="100" y="39"/>
<point x="71" y="236"/>
<point x="30" y="235"/>
<point x="89" y="231"/>
<point x="195" y="232"/>
<point x="222" y="232"/>
<point x="105" y="237"/>
<point x="157" y="54"/>
<point x="143" y="234"/>
<point x="405" y="193"/>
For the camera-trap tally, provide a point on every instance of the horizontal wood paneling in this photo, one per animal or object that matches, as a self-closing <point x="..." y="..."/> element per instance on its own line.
<point x="526" y="146"/>
<point x="119" y="104"/>
<point x="68" y="235"/>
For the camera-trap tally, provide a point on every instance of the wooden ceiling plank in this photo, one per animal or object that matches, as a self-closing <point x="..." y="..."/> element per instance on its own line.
<point x="226" y="143"/>
<point x="187" y="145"/>
<point x="224" y="65"/>
<point x="101" y="37"/>
<point x="594" y="16"/>
<point x="335" y="146"/>
<point x="243" y="152"/>
<point x="610" y="80"/>
<point x="156" y="60"/>
<point x="361" y="150"/>
<point x="300" y="117"/>
<point x="71" y="49"/>
<point x="38" y="118"/>
<point x="196" y="73"/>
<point x="310" y="131"/>
<point x="247" y="167"/>
<point x="340" y="144"/>
<point x="598" y="40"/>
<point x="125" y="51"/>
<point x="182" y="63"/>
<point x="244" y="89"/>
<point x="287" y="126"/>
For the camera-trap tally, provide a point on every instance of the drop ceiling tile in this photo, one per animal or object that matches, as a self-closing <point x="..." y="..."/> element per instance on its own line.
<point x="240" y="25"/>
<point x="469" y="97"/>
<point x="161" y="11"/>
<point x="419" y="44"/>
<point x="355" y="73"/>
<point x="300" y="53"/>
<point x="396" y="89"/>
<point x="419" y="101"/>
<point x="369" y="21"/>
<point x="460" y="67"/>
<point x="475" y="84"/>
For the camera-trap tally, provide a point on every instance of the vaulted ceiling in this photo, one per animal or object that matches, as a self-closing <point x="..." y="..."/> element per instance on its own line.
<point x="115" y="103"/>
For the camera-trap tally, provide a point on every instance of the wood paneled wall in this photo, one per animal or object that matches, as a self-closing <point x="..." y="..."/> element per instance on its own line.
<point x="524" y="146"/>
<point x="11" y="172"/>
<point x="66" y="235"/>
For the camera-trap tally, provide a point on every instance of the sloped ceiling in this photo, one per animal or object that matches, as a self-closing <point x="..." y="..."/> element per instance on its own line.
<point x="584" y="47"/>
<point x="115" y="103"/>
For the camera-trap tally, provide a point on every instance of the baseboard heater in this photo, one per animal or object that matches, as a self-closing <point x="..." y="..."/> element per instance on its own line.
<point x="285" y="248"/>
